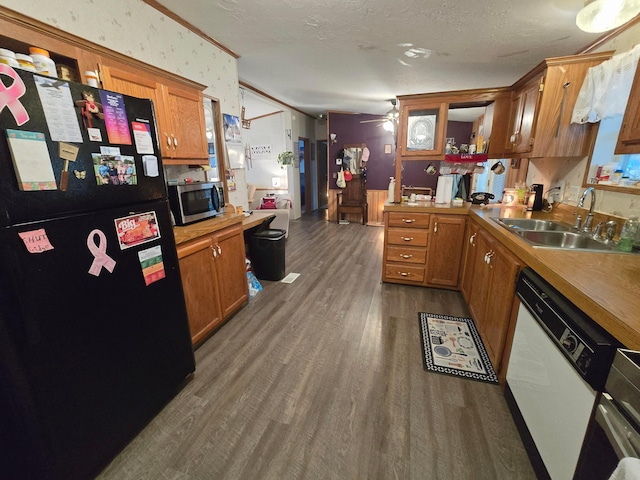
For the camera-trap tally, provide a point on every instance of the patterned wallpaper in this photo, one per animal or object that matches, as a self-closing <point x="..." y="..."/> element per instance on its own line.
<point x="135" y="29"/>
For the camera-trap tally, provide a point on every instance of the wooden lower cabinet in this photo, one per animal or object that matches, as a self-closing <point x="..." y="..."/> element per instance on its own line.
<point x="470" y="249"/>
<point x="492" y="283"/>
<point x="423" y="249"/>
<point x="214" y="279"/>
<point x="445" y="250"/>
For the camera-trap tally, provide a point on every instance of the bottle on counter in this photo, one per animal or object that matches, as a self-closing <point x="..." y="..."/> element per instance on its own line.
<point x="628" y="235"/>
<point x="43" y="62"/>
<point x="392" y="190"/>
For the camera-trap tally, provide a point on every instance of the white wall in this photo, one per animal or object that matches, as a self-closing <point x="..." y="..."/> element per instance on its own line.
<point x="267" y="131"/>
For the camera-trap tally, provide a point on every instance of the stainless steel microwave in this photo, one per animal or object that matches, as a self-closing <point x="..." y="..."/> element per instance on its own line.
<point x="192" y="202"/>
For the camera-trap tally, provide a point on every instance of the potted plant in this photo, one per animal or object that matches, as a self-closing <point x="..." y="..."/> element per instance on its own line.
<point x="285" y="158"/>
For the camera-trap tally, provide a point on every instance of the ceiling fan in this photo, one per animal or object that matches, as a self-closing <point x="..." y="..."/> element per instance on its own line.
<point x="390" y="119"/>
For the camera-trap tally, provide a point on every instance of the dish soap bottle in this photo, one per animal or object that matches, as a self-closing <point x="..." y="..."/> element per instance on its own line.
<point x="392" y="190"/>
<point x="628" y="235"/>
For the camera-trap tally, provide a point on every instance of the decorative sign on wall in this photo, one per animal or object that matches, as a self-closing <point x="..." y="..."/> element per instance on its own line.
<point x="260" y="152"/>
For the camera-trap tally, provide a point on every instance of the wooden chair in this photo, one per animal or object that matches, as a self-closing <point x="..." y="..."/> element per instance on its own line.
<point x="353" y="198"/>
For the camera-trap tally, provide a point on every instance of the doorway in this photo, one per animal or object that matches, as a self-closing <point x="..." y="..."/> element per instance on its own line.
<point x="306" y="204"/>
<point x="323" y="172"/>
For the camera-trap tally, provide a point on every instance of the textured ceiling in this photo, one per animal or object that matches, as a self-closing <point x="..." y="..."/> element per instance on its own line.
<point x="348" y="55"/>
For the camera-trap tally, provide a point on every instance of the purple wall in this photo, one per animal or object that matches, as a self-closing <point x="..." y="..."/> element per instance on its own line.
<point x="348" y="129"/>
<point x="381" y="166"/>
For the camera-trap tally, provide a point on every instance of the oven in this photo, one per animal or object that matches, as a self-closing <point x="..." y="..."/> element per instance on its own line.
<point x="615" y="429"/>
<point x="559" y="362"/>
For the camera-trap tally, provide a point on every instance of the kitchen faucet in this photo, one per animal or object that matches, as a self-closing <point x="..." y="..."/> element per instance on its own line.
<point x="586" y="226"/>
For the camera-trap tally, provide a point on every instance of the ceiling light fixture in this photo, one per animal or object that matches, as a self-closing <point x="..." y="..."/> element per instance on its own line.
<point x="602" y="15"/>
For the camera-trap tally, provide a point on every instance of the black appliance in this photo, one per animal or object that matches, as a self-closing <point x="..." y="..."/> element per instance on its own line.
<point x="534" y="202"/>
<point x="94" y="337"/>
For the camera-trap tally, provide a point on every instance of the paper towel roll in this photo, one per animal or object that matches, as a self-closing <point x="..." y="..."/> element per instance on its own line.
<point x="444" y="189"/>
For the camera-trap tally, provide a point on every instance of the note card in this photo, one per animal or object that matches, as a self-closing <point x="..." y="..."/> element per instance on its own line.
<point x="36" y="241"/>
<point x="31" y="160"/>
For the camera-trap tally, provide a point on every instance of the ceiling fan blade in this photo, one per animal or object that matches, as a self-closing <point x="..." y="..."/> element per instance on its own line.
<point x="376" y="120"/>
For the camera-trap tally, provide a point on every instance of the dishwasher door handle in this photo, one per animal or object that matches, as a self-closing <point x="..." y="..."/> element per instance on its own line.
<point x="623" y="437"/>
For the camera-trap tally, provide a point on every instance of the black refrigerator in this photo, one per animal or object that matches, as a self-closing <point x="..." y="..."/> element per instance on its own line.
<point x="94" y="338"/>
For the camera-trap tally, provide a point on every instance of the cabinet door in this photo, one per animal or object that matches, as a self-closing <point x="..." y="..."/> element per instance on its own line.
<point x="198" y="273"/>
<point x="471" y="251"/>
<point x="421" y="128"/>
<point x="445" y="249"/>
<point x="629" y="137"/>
<point x="523" y="116"/>
<point x="504" y="269"/>
<point x="481" y="283"/>
<point x="185" y="119"/>
<point x="231" y="269"/>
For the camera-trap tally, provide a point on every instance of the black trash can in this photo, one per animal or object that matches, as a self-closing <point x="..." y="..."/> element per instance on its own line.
<point x="266" y="251"/>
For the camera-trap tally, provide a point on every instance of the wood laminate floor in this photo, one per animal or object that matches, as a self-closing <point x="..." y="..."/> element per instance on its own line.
<point x="323" y="379"/>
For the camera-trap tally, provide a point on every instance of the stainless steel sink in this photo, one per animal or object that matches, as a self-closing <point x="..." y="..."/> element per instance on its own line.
<point x="565" y="240"/>
<point x="532" y="224"/>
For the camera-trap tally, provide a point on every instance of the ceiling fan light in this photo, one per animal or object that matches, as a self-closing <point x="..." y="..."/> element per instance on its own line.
<point x="603" y="15"/>
<point x="388" y="126"/>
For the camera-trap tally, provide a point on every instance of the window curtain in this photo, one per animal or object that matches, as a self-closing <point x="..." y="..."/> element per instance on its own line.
<point x="605" y="90"/>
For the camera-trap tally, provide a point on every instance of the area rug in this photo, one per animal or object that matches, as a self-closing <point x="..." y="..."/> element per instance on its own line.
<point x="452" y="346"/>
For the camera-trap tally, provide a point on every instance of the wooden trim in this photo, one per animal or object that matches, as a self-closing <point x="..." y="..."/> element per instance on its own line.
<point x="265" y="115"/>
<point x="189" y="26"/>
<point x="599" y="42"/>
<point x="42" y="28"/>
<point x="266" y="95"/>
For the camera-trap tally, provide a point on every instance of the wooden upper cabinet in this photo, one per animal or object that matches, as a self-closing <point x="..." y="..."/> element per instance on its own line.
<point x="421" y="128"/>
<point x="523" y="116"/>
<point x="186" y="134"/>
<point x="179" y="112"/>
<point x="629" y="137"/>
<point x="542" y="106"/>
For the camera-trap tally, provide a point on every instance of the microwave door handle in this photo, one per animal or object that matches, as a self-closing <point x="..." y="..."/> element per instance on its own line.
<point x="612" y="430"/>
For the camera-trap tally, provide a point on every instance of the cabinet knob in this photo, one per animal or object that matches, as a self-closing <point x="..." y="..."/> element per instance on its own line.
<point x="408" y="220"/>
<point x="168" y="140"/>
<point x="405" y="255"/>
<point x="404" y="274"/>
<point x="175" y="141"/>
<point x="472" y="239"/>
<point x="435" y="228"/>
<point x="219" y="249"/>
<point x="407" y="239"/>
<point x="213" y="251"/>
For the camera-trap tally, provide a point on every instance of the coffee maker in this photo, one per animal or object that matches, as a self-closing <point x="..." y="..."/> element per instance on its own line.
<point x="534" y="202"/>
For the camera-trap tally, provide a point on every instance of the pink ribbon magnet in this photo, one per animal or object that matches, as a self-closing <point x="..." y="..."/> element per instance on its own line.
<point x="9" y="95"/>
<point x="100" y="257"/>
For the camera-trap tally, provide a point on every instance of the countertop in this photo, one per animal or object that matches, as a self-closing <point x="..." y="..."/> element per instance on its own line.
<point x="206" y="227"/>
<point x="606" y="286"/>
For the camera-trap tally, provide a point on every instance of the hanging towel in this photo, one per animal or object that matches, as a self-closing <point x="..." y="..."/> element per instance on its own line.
<point x="628" y="469"/>
<point x="605" y="90"/>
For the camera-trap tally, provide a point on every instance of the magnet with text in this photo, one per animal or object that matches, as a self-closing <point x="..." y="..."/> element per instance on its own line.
<point x="152" y="264"/>
<point x="36" y="241"/>
<point x="137" y="229"/>
<point x="142" y="136"/>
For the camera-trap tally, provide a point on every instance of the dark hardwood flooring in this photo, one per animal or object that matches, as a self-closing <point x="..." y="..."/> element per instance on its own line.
<point x="323" y="379"/>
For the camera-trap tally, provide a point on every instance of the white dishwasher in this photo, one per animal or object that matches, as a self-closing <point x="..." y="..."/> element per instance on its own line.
<point x="559" y="362"/>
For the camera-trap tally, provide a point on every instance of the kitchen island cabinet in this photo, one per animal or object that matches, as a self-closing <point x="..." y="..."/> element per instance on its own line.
<point x="423" y="246"/>
<point x="214" y="280"/>
<point x="444" y="256"/>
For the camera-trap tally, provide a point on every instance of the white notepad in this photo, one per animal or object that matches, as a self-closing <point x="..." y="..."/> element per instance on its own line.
<point x="31" y="160"/>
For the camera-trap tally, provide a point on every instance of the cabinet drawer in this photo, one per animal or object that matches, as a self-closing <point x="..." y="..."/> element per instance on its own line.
<point x="407" y="236"/>
<point x="406" y="255"/>
<point x="407" y="273"/>
<point x="413" y="220"/>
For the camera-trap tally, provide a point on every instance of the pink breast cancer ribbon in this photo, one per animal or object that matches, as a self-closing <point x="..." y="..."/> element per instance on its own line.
<point x="100" y="257"/>
<point x="9" y="95"/>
